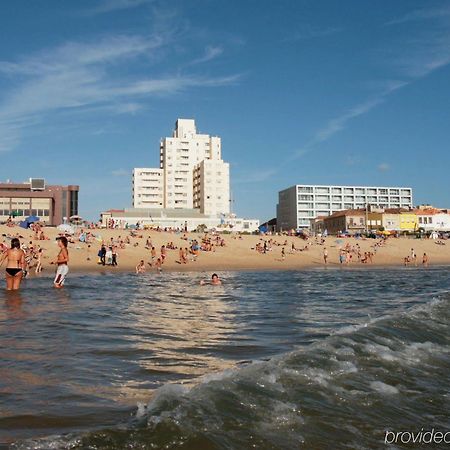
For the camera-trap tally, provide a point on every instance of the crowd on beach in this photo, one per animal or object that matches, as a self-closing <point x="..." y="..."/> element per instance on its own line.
<point x="184" y="247"/>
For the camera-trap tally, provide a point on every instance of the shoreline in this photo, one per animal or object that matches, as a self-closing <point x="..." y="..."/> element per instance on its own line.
<point x="238" y="253"/>
<point x="307" y="268"/>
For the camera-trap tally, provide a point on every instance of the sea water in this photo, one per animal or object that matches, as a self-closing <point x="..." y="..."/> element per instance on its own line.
<point x="314" y="359"/>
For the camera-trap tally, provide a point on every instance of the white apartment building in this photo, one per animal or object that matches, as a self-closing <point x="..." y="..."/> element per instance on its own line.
<point x="148" y="188"/>
<point x="299" y="204"/>
<point x="212" y="187"/>
<point x="192" y="174"/>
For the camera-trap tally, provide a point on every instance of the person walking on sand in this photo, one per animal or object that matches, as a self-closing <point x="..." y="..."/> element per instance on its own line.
<point x="425" y="260"/>
<point x="15" y="265"/>
<point x="325" y="256"/>
<point x="61" y="261"/>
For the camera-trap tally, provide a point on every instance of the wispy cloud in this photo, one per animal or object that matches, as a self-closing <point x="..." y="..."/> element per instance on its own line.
<point x="107" y="6"/>
<point x="384" y="167"/>
<point x="211" y="52"/>
<point x="120" y="173"/>
<point x="421" y="14"/>
<point x="256" y="176"/>
<point x="306" y="32"/>
<point x="83" y="77"/>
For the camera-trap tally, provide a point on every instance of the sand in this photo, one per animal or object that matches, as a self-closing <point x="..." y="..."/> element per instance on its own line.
<point x="238" y="254"/>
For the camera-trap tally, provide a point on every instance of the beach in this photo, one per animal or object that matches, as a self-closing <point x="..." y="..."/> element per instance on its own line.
<point x="238" y="252"/>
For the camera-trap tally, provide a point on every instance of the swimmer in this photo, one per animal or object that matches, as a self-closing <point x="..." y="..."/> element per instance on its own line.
<point x="62" y="262"/>
<point x="15" y="266"/>
<point x="140" y="268"/>
<point x="215" y="280"/>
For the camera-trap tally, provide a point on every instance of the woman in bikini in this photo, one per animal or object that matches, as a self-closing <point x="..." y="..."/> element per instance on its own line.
<point x="15" y="266"/>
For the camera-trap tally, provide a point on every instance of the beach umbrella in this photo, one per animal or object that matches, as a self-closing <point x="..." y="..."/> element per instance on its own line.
<point x="64" y="228"/>
<point x="32" y="219"/>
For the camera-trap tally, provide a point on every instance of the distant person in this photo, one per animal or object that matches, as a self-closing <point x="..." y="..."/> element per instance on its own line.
<point x="140" y="268"/>
<point x="15" y="265"/>
<point x="425" y="260"/>
<point x="215" y="280"/>
<point x="102" y="255"/>
<point x="325" y="256"/>
<point x="62" y="261"/>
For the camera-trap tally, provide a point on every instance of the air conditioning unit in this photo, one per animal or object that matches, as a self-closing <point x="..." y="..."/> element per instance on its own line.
<point x="37" y="184"/>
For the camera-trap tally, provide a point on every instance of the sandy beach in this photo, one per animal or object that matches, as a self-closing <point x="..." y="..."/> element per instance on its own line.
<point x="238" y="253"/>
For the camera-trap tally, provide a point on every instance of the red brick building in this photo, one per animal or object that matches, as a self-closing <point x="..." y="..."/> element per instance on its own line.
<point x="50" y="203"/>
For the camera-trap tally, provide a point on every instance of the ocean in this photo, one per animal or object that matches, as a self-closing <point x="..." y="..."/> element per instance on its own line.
<point x="313" y="359"/>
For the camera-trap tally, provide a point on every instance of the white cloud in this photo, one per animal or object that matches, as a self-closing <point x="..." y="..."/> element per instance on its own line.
<point x="120" y="173"/>
<point x="384" y="167"/>
<point x="210" y="53"/>
<point x="76" y="77"/>
<point x="306" y="32"/>
<point x="107" y="6"/>
<point x="422" y="14"/>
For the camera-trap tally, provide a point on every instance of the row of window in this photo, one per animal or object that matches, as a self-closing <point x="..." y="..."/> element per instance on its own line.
<point x="351" y="198"/>
<point x="352" y="190"/>
<point x="25" y="212"/>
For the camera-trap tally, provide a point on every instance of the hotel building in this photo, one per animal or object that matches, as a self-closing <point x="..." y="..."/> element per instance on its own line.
<point x="300" y="204"/>
<point x="34" y="198"/>
<point x="192" y="174"/>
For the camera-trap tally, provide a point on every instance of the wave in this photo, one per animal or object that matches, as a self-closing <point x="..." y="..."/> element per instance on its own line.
<point x="342" y="392"/>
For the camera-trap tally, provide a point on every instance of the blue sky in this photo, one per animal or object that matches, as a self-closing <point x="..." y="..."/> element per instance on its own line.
<point x="321" y="92"/>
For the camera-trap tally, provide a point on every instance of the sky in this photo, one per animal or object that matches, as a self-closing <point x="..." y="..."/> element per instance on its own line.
<point x="351" y="92"/>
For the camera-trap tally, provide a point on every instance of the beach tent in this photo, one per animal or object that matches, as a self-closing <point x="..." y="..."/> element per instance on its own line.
<point x="28" y="221"/>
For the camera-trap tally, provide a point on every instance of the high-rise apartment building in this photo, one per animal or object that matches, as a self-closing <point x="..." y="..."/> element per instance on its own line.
<point x="192" y="174"/>
<point x="299" y="204"/>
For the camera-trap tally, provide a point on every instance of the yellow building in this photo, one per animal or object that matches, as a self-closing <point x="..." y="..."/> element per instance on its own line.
<point x="408" y="221"/>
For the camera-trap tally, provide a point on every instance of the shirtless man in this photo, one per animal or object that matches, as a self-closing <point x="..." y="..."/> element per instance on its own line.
<point x="62" y="261"/>
<point x="15" y="266"/>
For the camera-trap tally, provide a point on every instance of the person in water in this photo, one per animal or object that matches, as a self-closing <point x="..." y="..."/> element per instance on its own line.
<point x="215" y="280"/>
<point x="62" y="261"/>
<point x="140" y="268"/>
<point x="15" y="266"/>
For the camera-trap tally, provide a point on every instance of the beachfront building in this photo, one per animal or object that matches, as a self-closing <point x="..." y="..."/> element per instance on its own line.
<point x="299" y="204"/>
<point x="51" y="203"/>
<point x="175" y="219"/>
<point x="432" y="219"/>
<point x="192" y="174"/>
<point x="351" y="220"/>
<point x="148" y="188"/>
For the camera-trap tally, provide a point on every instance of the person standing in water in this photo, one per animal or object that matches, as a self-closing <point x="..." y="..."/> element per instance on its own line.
<point x="15" y="266"/>
<point x="62" y="261"/>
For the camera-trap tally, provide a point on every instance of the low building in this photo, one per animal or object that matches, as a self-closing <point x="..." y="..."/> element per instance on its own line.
<point x="189" y="219"/>
<point x="350" y="220"/>
<point x="408" y="221"/>
<point x="51" y="203"/>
